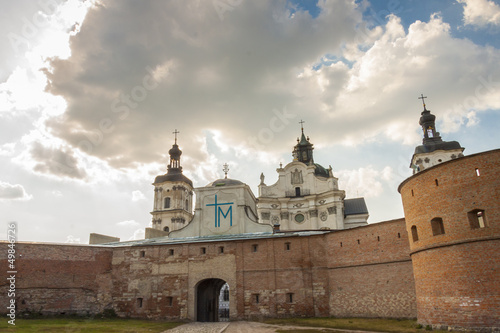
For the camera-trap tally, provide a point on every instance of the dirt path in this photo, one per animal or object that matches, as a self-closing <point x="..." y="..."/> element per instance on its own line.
<point x="246" y="327"/>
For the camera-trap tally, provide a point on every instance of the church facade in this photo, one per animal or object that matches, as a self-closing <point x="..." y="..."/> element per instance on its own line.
<point x="299" y="249"/>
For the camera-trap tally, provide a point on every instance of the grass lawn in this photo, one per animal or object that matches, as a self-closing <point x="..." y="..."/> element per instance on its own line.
<point x="86" y="325"/>
<point x="369" y="324"/>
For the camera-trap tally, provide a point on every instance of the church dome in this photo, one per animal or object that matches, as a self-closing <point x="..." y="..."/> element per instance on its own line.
<point x="225" y="182"/>
<point x="175" y="152"/>
<point x="173" y="175"/>
<point x="321" y="171"/>
<point x="427" y="117"/>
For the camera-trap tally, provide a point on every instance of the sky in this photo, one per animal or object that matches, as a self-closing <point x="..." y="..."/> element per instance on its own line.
<point x="91" y="91"/>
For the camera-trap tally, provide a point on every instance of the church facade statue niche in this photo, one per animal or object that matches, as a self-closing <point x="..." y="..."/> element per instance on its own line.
<point x="304" y="186"/>
<point x="297" y="177"/>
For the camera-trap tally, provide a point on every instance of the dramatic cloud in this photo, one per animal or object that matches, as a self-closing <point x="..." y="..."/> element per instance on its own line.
<point x="128" y="86"/>
<point x="56" y="161"/>
<point x="13" y="192"/>
<point x="481" y="12"/>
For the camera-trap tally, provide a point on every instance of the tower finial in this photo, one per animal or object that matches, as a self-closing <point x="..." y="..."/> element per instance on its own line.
<point x="225" y="169"/>
<point x="422" y="97"/>
<point x="301" y="122"/>
<point x="175" y="133"/>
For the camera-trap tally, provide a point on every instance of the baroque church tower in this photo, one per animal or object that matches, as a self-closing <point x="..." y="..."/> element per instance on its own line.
<point x="307" y="197"/>
<point x="173" y="200"/>
<point x="433" y="149"/>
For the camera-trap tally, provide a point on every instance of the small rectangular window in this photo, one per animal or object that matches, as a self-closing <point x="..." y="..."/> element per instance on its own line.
<point x="221" y="249"/>
<point x="358" y="241"/>
<point x="437" y="226"/>
<point x="170" y="301"/>
<point x="256" y="299"/>
<point x="203" y="250"/>
<point x="477" y="218"/>
<point x="287" y="246"/>
<point x="340" y="244"/>
<point x="437" y="182"/>
<point x="414" y="233"/>
<point x="254" y="247"/>
<point x="477" y="172"/>
<point x="171" y="252"/>
<point x="142" y="254"/>
<point x="289" y="297"/>
<point x="378" y="238"/>
<point x="139" y="302"/>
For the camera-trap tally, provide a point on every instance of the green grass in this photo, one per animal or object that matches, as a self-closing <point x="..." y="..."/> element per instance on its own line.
<point x="368" y="324"/>
<point x="86" y="325"/>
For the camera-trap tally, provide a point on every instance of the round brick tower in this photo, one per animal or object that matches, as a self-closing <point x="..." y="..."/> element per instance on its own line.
<point x="452" y="213"/>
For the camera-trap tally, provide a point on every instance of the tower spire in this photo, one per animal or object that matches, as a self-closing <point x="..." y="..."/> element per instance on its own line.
<point x="175" y="133"/>
<point x="422" y="97"/>
<point x="303" y="151"/>
<point x="175" y="154"/>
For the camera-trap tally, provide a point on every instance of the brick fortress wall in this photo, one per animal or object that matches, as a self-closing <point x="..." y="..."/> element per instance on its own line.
<point x="456" y="266"/>
<point x="372" y="278"/>
<point x="56" y="279"/>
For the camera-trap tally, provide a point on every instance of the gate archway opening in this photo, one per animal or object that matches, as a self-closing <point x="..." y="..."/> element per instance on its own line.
<point x="208" y="294"/>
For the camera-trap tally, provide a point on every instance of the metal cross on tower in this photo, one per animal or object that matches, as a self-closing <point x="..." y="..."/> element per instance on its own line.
<point x="225" y="169"/>
<point x="175" y="133"/>
<point x="422" y="97"/>
<point x="301" y="122"/>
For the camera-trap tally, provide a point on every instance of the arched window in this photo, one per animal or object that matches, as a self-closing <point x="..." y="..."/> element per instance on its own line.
<point x="437" y="226"/>
<point x="186" y="205"/>
<point x="166" y="203"/>
<point x="414" y="233"/>
<point x="167" y="229"/>
<point x="226" y="294"/>
<point x="297" y="191"/>
<point x="477" y="218"/>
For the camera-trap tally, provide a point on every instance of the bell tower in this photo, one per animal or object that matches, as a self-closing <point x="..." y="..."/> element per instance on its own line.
<point x="173" y="200"/>
<point x="303" y="151"/>
<point x="433" y="149"/>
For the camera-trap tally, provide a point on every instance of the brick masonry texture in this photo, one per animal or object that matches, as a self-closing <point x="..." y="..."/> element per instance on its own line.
<point x="59" y="279"/>
<point x="371" y="279"/>
<point x="456" y="273"/>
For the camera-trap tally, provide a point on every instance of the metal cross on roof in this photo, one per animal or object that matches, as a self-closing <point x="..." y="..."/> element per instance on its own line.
<point x="225" y="169"/>
<point x="301" y="122"/>
<point x="422" y="97"/>
<point x="175" y="133"/>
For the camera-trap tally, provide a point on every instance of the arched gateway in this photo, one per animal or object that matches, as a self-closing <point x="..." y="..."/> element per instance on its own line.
<point x="207" y="299"/>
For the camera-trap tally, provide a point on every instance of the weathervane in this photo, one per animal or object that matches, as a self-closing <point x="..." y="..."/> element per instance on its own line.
<point x="422" y="97"/>
<point x="301" y="122"/>
<point x="175" y="133"/>
<point x="225" y="169"/>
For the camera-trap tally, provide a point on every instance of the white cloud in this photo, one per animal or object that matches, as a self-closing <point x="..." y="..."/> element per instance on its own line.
<point x="138" y="195"/>
<point x="481" y="12"/>
<point x="70" y="239"/>
<point x="128" y="224"/>
<point x="13" y="192"/>
<point x="361" y="182"/>
<point x="138" y="234"/>
<point x="7" y="149"/>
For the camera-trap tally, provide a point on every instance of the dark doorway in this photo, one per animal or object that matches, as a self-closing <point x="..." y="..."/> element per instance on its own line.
<point x="297" y="191"/>
<point x="207" y="299"/>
